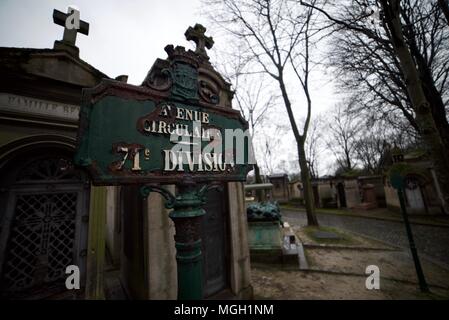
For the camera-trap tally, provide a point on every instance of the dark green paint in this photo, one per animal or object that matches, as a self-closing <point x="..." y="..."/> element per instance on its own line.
<point x="187" y="214"/>
<point x="114" y="119"/>
<point x="185" y="82"/>
<point x="112" y="114"/>
<point x="398" y="173"/>
<point x="264" y="211"/>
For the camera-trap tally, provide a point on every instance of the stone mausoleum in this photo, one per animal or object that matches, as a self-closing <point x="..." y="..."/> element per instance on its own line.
<point x="52" y="216"/>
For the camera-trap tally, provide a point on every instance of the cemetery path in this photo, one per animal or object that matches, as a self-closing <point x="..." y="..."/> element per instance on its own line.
<point x="431" y="241"/>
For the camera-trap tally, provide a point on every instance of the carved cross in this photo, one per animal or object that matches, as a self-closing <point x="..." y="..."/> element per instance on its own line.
<point x="197" y="35"/>
<point x="60" y="18"/>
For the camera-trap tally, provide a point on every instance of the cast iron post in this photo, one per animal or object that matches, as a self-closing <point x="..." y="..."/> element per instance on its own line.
<point x="397" y="181"/>
<point x="187" y="214"/>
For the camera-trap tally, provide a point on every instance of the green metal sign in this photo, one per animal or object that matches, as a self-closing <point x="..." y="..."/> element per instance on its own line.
<point x="142" y="134"/>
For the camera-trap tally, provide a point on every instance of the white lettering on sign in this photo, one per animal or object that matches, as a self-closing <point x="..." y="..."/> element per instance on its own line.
<point x="175" y="160"/>
<point x="179" y="129"/>
<point x="189" y="153"/>
<point x="130" y="153"/>
<point x="25" y="105"/>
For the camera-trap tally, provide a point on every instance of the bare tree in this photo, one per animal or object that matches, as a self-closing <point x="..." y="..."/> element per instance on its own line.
<point x="270" y="141"/>
<point x="398" y="33"/>
<point x="444" y="5"/>
<point x="314" y="145"/>
<point x="373" y="142"/>
<point x="250" y="101"/>
<point x="252" y="95"/>
<point x="278" y="37"/>
<point x="421" y="105"/>
<point x="343" y="128"/>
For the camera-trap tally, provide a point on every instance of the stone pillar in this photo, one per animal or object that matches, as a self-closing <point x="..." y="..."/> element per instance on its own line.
<point x="96" y="243"/>
<point x="240" y="259"/>
<point x="186" y="215"/>
<point x="113" y="223"/>
<point x="160" y="259"/>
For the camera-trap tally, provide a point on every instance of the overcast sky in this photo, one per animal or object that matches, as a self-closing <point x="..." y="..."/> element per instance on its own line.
<point x="125" y="37"/>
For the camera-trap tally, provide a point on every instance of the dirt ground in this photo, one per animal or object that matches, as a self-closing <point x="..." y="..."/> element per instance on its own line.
<point x="270" y="283"/>
<point x="338" y="272"/>
<point x="397" y="265"/>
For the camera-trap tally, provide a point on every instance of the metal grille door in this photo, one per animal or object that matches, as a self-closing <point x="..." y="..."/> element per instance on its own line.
<point x="41" y="240"/>
<point x="43" y="230"/>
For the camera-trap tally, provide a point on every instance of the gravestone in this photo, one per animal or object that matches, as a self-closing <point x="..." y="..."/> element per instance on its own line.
<point x="264" y="232"/>
<point x="369" y="200"/>
<point x="280" y="190"/>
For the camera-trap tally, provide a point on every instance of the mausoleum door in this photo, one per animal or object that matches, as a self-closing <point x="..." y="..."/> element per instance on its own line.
<point x="341" y="195"/>
<point x="214" y="246"/>
<point x="42" y="228"/>
<point x="414" y="195"/>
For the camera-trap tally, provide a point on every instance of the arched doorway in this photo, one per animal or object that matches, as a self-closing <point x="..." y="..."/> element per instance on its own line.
<point x="44" y="222"/>
<point x="414" y="195"/>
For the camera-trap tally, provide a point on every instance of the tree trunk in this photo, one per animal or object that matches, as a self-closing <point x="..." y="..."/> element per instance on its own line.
<point x="444" y="5"/>
<point x="348" y="161"/>
<point x="424" y="118"/>
<point x="438" y="113"/>
<point x="305" y="176"/>
<point x="259" y="193"/>
<point x="433" y="96"/>
<point x="307" y="186"/>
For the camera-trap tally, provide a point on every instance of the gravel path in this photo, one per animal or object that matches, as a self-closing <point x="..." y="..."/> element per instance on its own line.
<point x="432" y="242"/>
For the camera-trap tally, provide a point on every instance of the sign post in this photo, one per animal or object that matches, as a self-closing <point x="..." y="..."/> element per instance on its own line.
<point x="173" y="129"/>
<point x="187" y="216"/>
<point x="397" y="181"/>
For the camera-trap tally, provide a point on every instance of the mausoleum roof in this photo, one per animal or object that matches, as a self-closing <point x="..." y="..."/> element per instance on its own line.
<point x="55" y="64"/>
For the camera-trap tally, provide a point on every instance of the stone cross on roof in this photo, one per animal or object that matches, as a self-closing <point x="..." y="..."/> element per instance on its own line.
<point x="197" y="34"/>
<point x="71" y="23"/>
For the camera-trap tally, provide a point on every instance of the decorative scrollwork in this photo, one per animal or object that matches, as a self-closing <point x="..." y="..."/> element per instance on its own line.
<point x="203" y="190"/>
<point x="208" y="93"/>
<point x="50" y="168"/>
<point x="168" y="196"/>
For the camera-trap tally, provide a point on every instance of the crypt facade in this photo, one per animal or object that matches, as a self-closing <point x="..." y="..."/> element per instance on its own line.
<point x="51" y="214"/>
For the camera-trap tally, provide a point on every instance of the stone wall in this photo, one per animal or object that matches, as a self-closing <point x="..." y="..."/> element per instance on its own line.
<point x="352" y="193"/>
<point x="295" y="191"/>
<point x="377" y="182"/>
<point x="391" y="198"/>
<point x="326" y="192"/>
<point x="280" y="191"/>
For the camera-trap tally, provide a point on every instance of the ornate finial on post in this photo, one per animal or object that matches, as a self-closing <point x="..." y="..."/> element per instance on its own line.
<point x="197" y="34"/>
